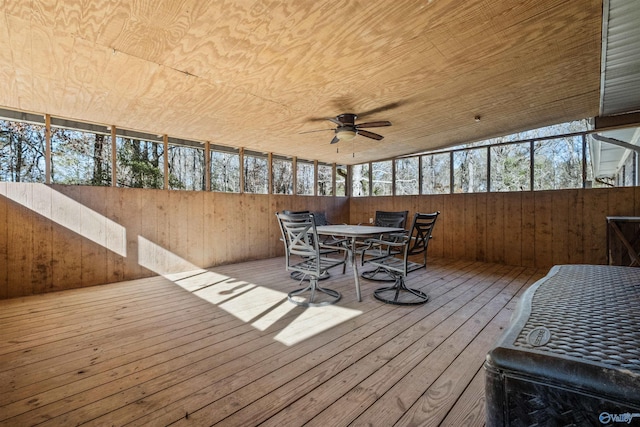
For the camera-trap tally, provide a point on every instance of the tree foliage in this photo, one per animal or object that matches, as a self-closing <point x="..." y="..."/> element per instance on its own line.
<point x="80" y="158"/>
<point x="186" y="168"/>
<point x="22" y="152"/>
<point x="325" y="180"/>
<point x="407" y="173"/>
<point x="255" y="173"/>
<point x="382" y="178"/>
<point x="305" y="178"/>
<point x="360" y="179"/>
<point x="225" y="171"/>
<point x="139" y="163"/>
<point x="510" y="167"/>
<point x="436" y="177"/>
<point x="499" y="164"/>
<point x="282" y="176"/>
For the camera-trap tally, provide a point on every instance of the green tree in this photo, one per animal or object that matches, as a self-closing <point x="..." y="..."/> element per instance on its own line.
<point x="139" y="164"/>
<point x="22" y="152"/>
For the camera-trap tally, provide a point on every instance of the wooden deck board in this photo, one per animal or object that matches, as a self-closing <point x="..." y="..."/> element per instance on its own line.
<point x="420" y="361"/>
<point x="378" y="359"/>
<point x="224" y="348"/>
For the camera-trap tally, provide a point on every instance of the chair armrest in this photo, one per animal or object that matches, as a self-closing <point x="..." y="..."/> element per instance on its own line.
<point x="395" y="243"/>
<point x="334" y="243"/>
<point x="399" y="235"/>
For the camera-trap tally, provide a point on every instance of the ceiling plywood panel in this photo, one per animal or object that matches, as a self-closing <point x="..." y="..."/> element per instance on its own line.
<point x="81" y="18"/>
<point x="19" y="44"/>
<point x="256" y="73"/>
<point x="148" y="29"/>
<point x="9" y="92"/>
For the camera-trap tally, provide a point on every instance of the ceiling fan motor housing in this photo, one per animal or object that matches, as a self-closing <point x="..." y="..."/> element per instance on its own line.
<point x="347" y="118"/>
<point x="347" y="129"/>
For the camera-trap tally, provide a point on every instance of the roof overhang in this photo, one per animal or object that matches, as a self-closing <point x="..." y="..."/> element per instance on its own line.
<point x="620" y="88"/>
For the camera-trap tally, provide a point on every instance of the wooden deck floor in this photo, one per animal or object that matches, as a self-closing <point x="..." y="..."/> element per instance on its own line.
<point x="224" y="347"/>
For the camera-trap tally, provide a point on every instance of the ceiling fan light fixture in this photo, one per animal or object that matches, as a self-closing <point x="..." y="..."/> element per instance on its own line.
<point x="345" y="134"/>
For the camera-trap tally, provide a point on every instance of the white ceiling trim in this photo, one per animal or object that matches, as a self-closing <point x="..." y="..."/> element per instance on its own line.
<point x="619" y="84"/>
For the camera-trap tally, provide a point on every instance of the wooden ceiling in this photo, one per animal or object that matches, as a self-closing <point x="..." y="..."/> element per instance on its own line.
<point x="254" y="73"/>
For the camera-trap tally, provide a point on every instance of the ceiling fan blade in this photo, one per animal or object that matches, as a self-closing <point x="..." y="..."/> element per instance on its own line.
<point x="381" y="108"/>
<point x="370" y="134"/>
<point x="335" y="120"/>
<point x="374" y="124"/>
<point x="322" y="119"/>
<point x="311" y="131"/>
<point x="335" y="140"/>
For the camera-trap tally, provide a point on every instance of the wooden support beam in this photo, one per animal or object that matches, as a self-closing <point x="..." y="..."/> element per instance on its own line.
<point x="617" y="121"/>
<point x="207" y="166"/>
<point x="165" y="143"/>
<point x="47" y="153"/>
<point x="114" y="153"/>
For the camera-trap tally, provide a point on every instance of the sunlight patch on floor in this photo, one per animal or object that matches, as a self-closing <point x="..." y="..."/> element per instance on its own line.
<point x="313" y="321"/>
<point x="272" y="315"/>
<point x="256" y="305"/>
<point x="260" y="306"/>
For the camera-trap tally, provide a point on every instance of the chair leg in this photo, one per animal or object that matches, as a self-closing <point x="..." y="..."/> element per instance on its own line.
<point x="297" y="296"/>
<point x="344" y="263"/>
<point x="378" y="275"/>
<point x="400" y="294"/>
<point x="296" y="275"/>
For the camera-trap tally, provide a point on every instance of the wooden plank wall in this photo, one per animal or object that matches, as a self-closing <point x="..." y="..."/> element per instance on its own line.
<point x="531" y="229"/>
<point x="61" y="237"/>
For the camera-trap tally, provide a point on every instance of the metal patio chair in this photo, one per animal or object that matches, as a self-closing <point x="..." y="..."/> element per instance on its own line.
<point x="383" y="219"/>
<point x="398" y="265"/>
<point x="327" y="243"/>
<point x="305" y="255"/>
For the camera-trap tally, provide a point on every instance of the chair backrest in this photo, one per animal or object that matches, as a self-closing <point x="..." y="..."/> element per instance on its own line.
<point x="294" y="212"/>
<point x="320" y="218"/>
<point x="421" y="229"/>
<point x="415" y="243"/>
<point x="299" y="235"/>
<point x="391" y="219"/>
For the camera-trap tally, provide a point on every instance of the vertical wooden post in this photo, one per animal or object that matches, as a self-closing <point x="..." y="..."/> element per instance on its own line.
<point x="532" y="166"/>
<point x="393" y="177"/>
<point x="584" y="162"/>
<point x="241" y="155"/>
<point x="165" y="143"/>
<point x="370" y="179"/>
<point x="451" y="176"/>
<point x="270" y="173"/>
<point x="488" y="169"/>
<point x="207" y="166"/>
<point x="635" y="167"/>
<point x="47" y="149"/>
<point x="420" y="175"/>
<point x="294" y="174"/>
<point x="315" y="177"/>
<point x="334" y="172"/>
<point x="114" y="153"/>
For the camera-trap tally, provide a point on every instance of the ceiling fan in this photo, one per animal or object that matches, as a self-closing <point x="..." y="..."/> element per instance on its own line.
<point x="347" y="129"/>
